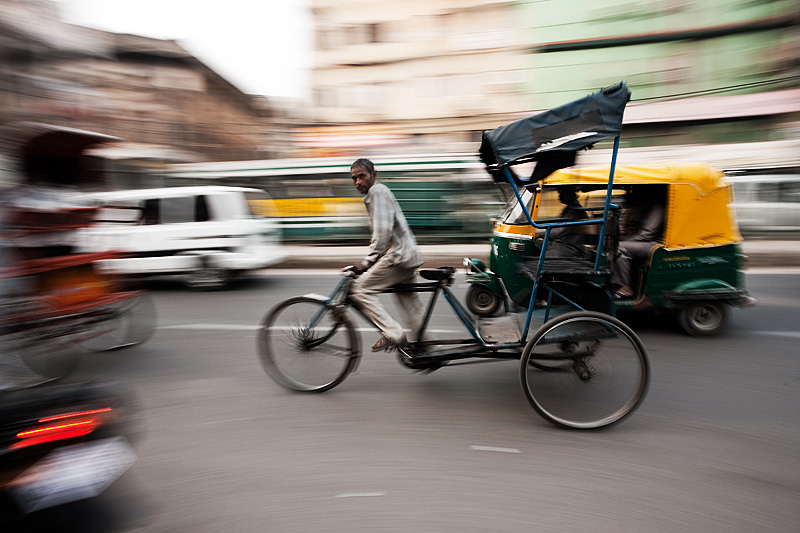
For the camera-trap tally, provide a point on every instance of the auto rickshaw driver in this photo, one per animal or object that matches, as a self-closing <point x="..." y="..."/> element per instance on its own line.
<point x="566" y="241"/>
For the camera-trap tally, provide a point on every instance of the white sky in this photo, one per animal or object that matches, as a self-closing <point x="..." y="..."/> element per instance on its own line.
<point x="261" y="46"/>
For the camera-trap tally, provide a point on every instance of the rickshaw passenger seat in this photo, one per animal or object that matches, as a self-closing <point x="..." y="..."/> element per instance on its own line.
<point x="438" y="277"/>
<point x="563" y="267"/>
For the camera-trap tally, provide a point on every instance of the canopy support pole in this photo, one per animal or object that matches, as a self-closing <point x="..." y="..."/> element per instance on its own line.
<point x="510" y="179"/>
<point x="607" y="206"/>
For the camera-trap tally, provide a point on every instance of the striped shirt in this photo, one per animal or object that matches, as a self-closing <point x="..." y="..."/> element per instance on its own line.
<point x="391" y="236"/>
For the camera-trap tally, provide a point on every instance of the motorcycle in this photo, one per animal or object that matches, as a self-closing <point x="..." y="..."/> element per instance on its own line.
<point x="60" y="444"/>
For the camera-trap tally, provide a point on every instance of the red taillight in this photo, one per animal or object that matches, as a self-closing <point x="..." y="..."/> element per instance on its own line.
<point x="83" y="423"/>
<point x="69" y="415"/>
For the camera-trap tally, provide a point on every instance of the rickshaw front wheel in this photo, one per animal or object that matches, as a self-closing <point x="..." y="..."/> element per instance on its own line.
<point x="307" y="345"/>
<point x="482" y="301"/>
<point x="703" y="318"/>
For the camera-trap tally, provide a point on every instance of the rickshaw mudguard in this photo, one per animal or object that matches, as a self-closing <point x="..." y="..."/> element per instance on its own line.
<point x="675" y="277"/>
<point x="489" y="280"/>
<point x="706" y="289"/>
<point x="474" y="265"/>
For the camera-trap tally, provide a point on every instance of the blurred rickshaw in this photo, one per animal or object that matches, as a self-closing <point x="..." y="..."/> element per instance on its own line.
<point x="52" y="299"/>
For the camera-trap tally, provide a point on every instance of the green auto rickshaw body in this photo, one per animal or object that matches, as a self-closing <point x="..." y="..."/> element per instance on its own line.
<point x="673" y="277"/>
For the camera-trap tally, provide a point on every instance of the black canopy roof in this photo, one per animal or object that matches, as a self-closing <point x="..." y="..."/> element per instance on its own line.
<point x="48" y="153"/>
<point x="553" y="137"/>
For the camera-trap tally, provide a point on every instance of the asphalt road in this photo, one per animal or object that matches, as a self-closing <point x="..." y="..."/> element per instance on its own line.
<point x="714" y="447"/>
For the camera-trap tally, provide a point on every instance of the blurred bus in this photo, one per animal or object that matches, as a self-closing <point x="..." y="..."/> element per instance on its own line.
<point x="443" y="197"/>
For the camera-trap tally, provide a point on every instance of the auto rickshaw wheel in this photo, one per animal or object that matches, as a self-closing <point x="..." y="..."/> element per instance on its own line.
<point x="482" y="301"/>
<point x="703" y="318"/>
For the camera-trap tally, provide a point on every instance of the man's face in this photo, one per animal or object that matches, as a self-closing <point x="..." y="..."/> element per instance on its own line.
<point x="362" y="178"/>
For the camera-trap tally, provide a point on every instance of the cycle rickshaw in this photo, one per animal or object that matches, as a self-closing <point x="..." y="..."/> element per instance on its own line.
<point x="579" y="368"/>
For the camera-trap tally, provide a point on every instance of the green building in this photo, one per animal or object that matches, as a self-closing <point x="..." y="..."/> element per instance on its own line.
<point x="701" y="71"/>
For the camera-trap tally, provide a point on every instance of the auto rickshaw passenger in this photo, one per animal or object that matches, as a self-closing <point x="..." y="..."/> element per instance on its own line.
<point x="641" y="228"/>
<point x="567" y="241"/>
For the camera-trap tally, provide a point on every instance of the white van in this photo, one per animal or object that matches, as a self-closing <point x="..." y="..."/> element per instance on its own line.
<point x="206" y="234"/>
<point x="767" y="204"/>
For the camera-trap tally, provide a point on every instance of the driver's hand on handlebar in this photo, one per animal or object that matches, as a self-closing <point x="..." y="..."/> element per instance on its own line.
<point x="358" y="268"/>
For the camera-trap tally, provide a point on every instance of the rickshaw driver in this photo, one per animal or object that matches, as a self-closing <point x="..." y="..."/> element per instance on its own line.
<point x="392" y="258"/>
<point x="642" y="228"/>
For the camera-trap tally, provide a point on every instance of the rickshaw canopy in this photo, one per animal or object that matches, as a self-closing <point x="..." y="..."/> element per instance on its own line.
<point x="47" y="153"/>
<point x="698" y="211"/>
<point x="553" y="137"/>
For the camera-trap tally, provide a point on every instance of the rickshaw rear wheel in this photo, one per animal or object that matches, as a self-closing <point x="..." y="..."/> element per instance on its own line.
<point x="704" y="318"/>
<point x="482" y="301"/>
<point x="584" y="370"/>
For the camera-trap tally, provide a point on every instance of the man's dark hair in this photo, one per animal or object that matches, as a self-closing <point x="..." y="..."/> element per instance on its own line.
<point x="363" y="163"/>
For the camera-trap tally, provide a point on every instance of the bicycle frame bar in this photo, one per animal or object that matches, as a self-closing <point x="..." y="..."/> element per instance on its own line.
<point x="341" y="294"/>
<point x="342" y="288"/>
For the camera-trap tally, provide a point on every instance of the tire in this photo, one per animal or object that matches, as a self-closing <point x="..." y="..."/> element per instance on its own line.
<point x="49" y="352"/>
<point x="584" y="370"/>
<point x="208" y="278"/>
<point x="57" y="363"/>
<point x="134" y="324"/>
<point x="306" y="360"/>
<point x="482" y="301"/>
<point x="704" y="318"/>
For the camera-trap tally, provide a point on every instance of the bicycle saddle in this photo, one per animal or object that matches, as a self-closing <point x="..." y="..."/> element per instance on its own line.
<point x="437" y="274"/>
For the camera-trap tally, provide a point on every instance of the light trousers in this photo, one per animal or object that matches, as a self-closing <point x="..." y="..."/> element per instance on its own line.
<point x="366" y="289"/>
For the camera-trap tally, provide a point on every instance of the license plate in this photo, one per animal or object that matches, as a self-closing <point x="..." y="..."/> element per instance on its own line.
<point x="72" y="473"/>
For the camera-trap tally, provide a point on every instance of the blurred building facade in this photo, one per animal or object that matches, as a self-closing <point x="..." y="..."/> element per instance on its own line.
<point x="150" y="92"/>
<point x="419" y="76"/>
<point x="434" y="70"/>
<point x="701" y="71"/>
<point x="437" y="72"/>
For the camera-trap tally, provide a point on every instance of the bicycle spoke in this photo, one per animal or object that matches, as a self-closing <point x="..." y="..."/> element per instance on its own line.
<point x="304" y="347"/>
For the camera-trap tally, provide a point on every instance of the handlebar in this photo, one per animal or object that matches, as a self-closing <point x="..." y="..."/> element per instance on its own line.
<point x="350" y="272"/>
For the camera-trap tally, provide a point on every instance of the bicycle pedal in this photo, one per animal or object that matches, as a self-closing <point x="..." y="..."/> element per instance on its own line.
<point x="405" y="358"/>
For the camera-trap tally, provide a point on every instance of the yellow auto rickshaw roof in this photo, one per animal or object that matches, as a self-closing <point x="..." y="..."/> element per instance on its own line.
<point x="700" y="175"/>
<point x="699" y="211"/>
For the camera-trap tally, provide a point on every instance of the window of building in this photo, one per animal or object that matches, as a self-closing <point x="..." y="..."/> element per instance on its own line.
<point x="325" y="97"/>
<point x="375" y="32"/>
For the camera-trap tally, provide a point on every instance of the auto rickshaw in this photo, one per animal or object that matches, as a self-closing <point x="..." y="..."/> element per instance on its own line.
<point x="697" y="273"/>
